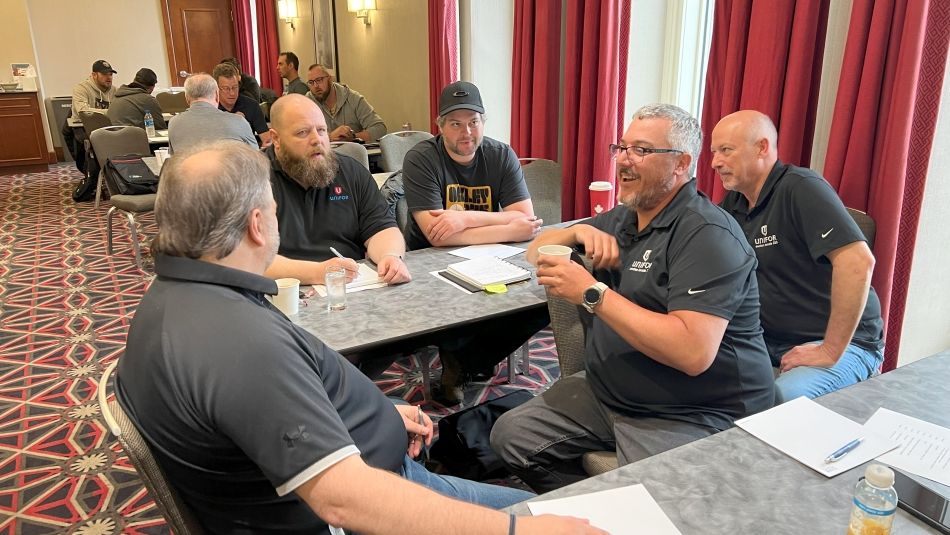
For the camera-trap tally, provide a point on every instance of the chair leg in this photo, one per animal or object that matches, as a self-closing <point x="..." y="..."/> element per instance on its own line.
<point x="426" y="373"/>
<point x="109" y="228"/>
<point x="513" y="362"/>
<point x="98" y="189"/>
<point x="135" y="239"/>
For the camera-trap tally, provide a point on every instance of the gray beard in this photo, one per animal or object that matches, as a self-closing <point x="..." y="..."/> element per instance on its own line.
<point x="310" y="175"/>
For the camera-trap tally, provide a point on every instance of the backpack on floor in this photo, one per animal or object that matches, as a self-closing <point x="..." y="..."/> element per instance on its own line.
<point x="85" y="191"/>
<point x="129" y="175"/>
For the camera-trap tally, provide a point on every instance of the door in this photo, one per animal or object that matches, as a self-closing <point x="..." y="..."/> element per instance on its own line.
<point x="198" y="34"/>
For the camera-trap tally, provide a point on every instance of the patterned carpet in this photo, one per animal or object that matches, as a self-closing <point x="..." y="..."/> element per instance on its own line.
<point x="65" y="307"/>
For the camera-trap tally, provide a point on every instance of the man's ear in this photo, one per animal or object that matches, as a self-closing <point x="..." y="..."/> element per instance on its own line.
<point x="762" y="147"/>
<point x="256" y="232"/>
<point x="683" y="162"/>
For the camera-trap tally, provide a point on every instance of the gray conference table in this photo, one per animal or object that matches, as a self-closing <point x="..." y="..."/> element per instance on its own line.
<point x="406" y="316"/>
<point x="734" y="483"/>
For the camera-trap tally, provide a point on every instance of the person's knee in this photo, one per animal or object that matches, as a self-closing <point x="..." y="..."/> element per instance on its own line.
<point x="503" y="439"/>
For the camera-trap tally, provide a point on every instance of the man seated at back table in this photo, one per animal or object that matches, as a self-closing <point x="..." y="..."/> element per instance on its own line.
<point x="203" y="121"/>
<point x="133" y="100"/>
<point x="349" y="116"/>
<point x="674" y="349"/>
<point x="257" y="424"/>
<point x="230" y="100"/>
<point x="326" y="200"/>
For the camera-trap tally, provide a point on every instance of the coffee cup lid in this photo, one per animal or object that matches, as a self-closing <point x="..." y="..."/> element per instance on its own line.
<point x="601" y="185"/>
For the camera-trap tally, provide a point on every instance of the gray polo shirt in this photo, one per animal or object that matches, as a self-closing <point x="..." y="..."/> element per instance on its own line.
<point x="692" y="256"/>
<point x="241" y="406"/>
<point x="203" y="123"/>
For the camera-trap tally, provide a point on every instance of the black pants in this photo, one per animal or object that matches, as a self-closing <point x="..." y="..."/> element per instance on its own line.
<point x="480" y="346"/>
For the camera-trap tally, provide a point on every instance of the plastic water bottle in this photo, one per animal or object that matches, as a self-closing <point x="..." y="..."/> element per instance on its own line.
<point x="875" y="502"/>
<point x="149" y="124"/>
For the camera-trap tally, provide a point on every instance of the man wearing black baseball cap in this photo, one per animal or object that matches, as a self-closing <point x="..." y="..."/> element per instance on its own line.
<point x="92" y="94"/>
<point x="133" y="100"/>
<point x="463" y="188"/>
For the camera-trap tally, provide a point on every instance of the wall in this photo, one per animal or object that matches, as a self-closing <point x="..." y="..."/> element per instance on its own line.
<point x="486" y="48"/>
<point x="16" y="46"/>
<point x="388" y="61"/>
<point x="298" y="39"/>
<point x="646" y="55"/>
<point x="925" y="329"/>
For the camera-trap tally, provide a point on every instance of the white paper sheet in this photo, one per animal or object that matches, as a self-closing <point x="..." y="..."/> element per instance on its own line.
<point x="488" y="249"/>
<point x="809" y="433"/>
<point x="623" y="511"/>
<point x="447" y="281"/>
<point x="924" y="448"/>
<point x="321" y="290"/>
<point x="363" y="281"/>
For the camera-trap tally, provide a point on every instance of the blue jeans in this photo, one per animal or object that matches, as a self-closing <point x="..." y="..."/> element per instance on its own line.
<point x="492" y="496"/>
<point x="854" y="366"/>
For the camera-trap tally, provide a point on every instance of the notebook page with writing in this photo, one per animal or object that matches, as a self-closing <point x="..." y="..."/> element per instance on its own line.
<point x="364" y="277"/>
<point x="488" y="270"/>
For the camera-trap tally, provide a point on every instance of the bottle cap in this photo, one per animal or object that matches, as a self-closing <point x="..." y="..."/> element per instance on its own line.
<point x="879" y="475"/>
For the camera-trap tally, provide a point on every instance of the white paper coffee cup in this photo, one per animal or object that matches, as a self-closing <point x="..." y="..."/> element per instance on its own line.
<point x="287" y="299"/>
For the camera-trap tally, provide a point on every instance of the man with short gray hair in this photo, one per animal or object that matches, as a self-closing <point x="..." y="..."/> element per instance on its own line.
<point x="203" y="122"/>
<point x="259" y="426"/>
<point x="674" y="348"/>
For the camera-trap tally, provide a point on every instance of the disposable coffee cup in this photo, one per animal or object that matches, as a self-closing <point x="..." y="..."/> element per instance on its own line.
<point x="335" y="280"/>
<point x="160" y="156"/>
<point x="555" y="250"/>
<point x="601" y="197"/>
<point x="287" y="299"/>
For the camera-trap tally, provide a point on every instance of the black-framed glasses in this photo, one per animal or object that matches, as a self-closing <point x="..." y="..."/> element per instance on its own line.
<point x="636" y="152"/>
<point x="319" y="80"/>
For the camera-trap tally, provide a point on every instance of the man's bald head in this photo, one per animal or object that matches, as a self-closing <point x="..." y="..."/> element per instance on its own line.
<point x="290" y="107"/>
<point x="744" y="147"/>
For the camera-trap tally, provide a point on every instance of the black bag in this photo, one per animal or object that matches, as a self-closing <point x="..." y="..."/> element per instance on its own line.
<point x="86" y="189"/>
<point x="463" y="446"/>
<point x="129" y="175"/>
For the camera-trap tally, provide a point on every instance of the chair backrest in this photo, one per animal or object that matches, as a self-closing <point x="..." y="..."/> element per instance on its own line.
<point x="92" y="121"/>
<point x="393" y="148"/>
<point x="866" y="224"/>
<point x="117" y="141"/>
<point x="395" y="195"/>
<point x="353" y="150"/>
<point x="568" y="331"/>
<point x="172" y="102"/>
<point x="543" y="178"/>
<point x="179" y="517"/>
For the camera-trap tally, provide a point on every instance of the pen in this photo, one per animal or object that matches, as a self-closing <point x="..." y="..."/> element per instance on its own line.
<point x="337" y="253"/>
<point x="844" y="450"/>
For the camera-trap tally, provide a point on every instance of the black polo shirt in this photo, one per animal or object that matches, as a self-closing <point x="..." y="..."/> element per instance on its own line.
<point x="692" y="256"/>
<point x="240" y="405"/>
<point x="797" y="221"/>
<point x="252" y="113"/>
<point x="342" y="215"/>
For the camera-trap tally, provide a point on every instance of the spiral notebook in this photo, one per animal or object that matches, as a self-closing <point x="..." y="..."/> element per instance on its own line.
<point x="480" y="272"/>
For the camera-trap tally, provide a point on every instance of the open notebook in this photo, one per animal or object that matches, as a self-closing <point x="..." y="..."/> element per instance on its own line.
<point x="480" y="272"/>
<point x="366" y="276"/>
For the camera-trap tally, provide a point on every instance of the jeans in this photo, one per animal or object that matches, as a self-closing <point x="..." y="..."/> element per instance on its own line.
<point x="854" y="366"/>
<point x="492" y="496"/>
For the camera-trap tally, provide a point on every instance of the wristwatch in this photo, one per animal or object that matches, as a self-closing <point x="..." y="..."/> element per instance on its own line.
<point x="594" y="296"/>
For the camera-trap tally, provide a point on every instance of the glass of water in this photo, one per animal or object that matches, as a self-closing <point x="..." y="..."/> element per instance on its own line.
<point x="335" y="279"/>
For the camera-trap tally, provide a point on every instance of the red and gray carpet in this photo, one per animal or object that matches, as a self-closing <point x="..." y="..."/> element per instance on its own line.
<point x="65" y="307"/>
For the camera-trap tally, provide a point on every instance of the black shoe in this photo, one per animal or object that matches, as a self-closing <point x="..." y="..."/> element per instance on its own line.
<point x="449" y="392"/>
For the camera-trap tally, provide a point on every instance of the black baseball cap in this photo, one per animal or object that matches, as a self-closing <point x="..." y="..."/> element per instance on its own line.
<point x="460" y="96"/>
<point x="103" y="66"/>
<point x="146" y="77"/>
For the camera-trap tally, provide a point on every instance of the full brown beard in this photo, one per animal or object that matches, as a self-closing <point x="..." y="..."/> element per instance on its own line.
<point x="310" y="174"/>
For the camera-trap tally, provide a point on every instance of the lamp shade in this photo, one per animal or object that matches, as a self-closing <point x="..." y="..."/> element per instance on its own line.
<point x="360" y="5"/>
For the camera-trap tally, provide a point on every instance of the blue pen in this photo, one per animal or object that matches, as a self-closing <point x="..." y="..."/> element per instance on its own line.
<point x="844" y="450"/>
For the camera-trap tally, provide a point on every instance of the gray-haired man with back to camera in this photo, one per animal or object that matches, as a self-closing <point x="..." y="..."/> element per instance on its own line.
<point x="203" y="122"/>
<point x="674" y="349"/>
<point x="257" y="424"/>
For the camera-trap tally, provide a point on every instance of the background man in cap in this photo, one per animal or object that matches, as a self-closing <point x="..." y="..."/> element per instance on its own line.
<point x="349" y="115"/>
<point x="463" y="188"/>
<point x="92" y="94"/>
<point x="133" y="100"/>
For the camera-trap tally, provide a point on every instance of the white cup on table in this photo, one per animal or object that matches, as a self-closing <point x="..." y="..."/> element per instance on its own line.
<point x="287" y="299"/>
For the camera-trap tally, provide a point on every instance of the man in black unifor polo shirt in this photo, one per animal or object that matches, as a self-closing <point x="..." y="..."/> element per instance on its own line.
<point x="231" y="100"/>
<point x="821" y="317"/>
<point x="674" y="347"/>
<point x="258" y="425"/>
<point x="326" y="200"/>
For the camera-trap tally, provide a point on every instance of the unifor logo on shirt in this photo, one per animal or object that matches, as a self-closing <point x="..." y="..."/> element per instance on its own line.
<point x="459" y="197"/>
<point x="337" y="194"/>
<point x="767" y="240"/>
<point x="644" y="265"/>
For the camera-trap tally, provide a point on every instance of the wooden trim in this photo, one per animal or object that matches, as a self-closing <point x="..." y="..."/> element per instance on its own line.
<point x="20" y="169"/>
<point x="169" y="43"/>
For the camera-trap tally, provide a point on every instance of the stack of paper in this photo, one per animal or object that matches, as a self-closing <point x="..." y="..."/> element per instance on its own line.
<point x="623" y="511"/>
<point x="924" y="448"/>
<point x="487" y="270"/>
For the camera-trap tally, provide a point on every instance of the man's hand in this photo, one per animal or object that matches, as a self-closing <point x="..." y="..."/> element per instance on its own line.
<point x="819" y="355"/>
<point x="555" y="525"/>
<point x="393" y="270"/>
<point x="564" y="278"/>
<point x="446" y="223"/>
<point x="418" y="432"/>
<point x="342" y="133"/>
<point x="350" y="265"/>
<point x="599" y="246"/>
<point x="526" y="228"/>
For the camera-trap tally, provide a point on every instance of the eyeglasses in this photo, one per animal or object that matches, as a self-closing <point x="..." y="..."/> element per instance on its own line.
<point x="319" y="80"/>
<point x="636" y="152"/>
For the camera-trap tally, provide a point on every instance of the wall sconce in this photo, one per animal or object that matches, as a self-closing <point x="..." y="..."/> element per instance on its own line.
<point x="361" y="8"/>
<point x="287" y="10"/>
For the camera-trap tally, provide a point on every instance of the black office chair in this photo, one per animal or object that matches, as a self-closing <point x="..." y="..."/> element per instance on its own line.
<point x="866" y="224"/>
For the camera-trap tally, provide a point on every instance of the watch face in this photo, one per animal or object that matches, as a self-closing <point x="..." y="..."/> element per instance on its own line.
<point x="591" y="295"/>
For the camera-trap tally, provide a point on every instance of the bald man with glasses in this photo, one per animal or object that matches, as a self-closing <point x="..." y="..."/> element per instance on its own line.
<point x="349" y="116"/>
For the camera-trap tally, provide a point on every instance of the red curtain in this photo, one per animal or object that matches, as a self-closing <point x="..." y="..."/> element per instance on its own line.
<point x="443" y="52"/>
<point x="267" y="45"/>
<point x="882" y="133"/>
<point x="765" y="55"/>
<point x="591" y="90"/>
<point x="535" y="86"/>
<point x="244" y="35"/>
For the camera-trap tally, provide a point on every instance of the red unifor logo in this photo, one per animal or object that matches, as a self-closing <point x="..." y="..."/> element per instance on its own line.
<point x="338" y="190"/>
